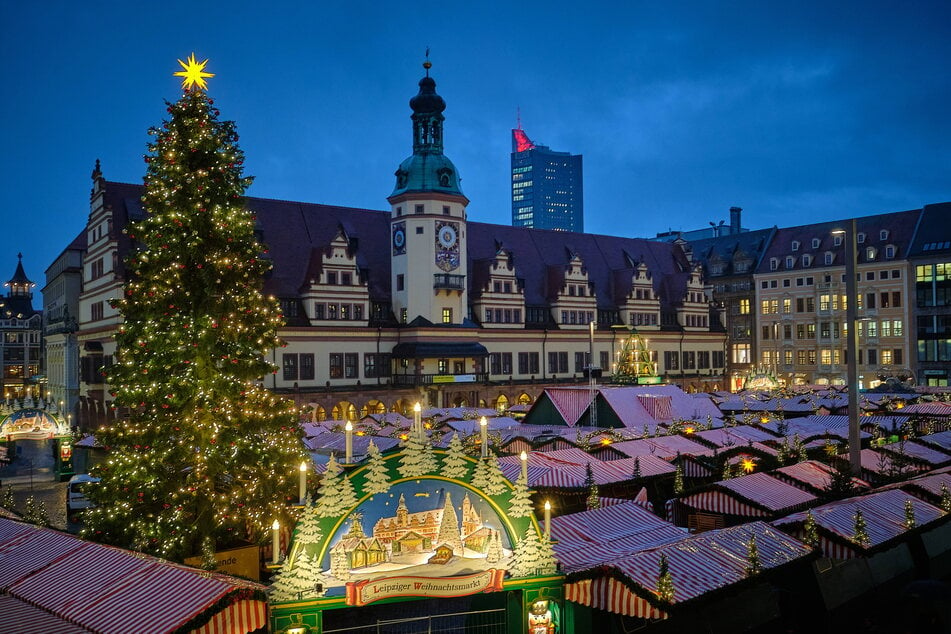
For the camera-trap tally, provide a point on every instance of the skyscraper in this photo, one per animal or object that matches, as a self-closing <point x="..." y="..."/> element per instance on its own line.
<point x="547" y="190"/>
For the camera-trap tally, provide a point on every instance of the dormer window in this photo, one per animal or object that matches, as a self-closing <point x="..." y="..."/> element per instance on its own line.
<point x="815" y="243"/>
<point x="807" y="260"/>
<point x="828" y="258"/>
<point x="860" y="238"/>
<point x="870" y="253"/>
<point x="795" y="245"/>
<point x="889" y="252"/>
<point x="773" y="264"/>
<point x="790" y="261"/>
<point x="836" y="240"/>
<point x="883" y="234"/>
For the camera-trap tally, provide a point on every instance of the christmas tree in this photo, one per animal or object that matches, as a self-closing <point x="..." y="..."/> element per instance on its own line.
<point x="594" y="500"/>
<point x="449" y="534"/>
<point x="481" y="475"/>
<point x="910" y="522"/>
<point x="945" y="498"/>
<point x="335" y="495"/>
<point x="810" y="531"/>
<point x="455" y="464"/>
<point x="752" y="557"/>
<point x="377" y="476"/>
<point x="520" y="504"/>
<point x="493" y="553"/>
<point x="665" y="581"/>
<point x="860" y="534"/>
<point x="308" y="528"/>
<point x="532" y="556"/>
<point x="636" y="473"/>
<point x="678" y="479"/>
<point x="418" y="457"/>
<point x="497" y="483"/>
<point x="300" y="580"/>
<point x="206" y="455"/>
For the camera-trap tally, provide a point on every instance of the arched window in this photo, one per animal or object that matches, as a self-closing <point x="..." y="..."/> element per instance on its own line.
<point x="372" y="406"/>
<point x="524" y="399"/>
<point x="344" y="410"/>
<point x="501" y="403"/>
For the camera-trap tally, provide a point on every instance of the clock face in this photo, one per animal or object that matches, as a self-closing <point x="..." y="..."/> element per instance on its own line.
<point x="399" y="239"/>
<point x="447" y="236"/>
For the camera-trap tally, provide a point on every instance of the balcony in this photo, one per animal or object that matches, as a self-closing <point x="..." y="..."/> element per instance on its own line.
<point x="414" y="380"/>
<point x="447" y="282"/>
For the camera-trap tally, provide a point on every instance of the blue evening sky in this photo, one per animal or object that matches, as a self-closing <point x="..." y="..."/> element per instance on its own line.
<point x="796" y="111"/>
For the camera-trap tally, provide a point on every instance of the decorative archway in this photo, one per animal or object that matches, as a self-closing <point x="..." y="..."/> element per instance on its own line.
<point x="344" y="410"/>
<point x="460" y="401"/>
<point x="501" y="403"/>
<point x="403" y="407"/>
<point x="524" y="399"/>
<point x="372" y="406"/>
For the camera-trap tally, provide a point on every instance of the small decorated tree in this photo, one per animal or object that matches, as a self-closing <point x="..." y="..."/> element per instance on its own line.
<point x="308" y="528"/>
<point x="636" y="473"/>
<point x="593" y="500"/>
<point x="665" y="581"/>
<point x="810" y="530"/>
<point x="532" y="556"/>
<point x="497" y="483"/>
<point x="520" y="504"/>
<point x="910" y="522"/>
<point x="377" y="476"/>
<point x="493" y="553"/>
<point x="752" y="557"/>
<point x="418" y="457"/>
<point x="455" y="464"/>
<point x="35" y="512"/>
<point x="679" y="479"/>
<point x="481" y="476"/>
<point x="860" y="529"/>
<point x="945" y="498"/>
<point x="9" y="502"/>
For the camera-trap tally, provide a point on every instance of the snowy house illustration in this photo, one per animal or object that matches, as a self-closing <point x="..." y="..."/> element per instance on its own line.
<point x="356" y="550"/>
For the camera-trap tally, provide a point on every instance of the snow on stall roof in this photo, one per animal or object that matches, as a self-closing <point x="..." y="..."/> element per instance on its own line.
<point x="767" y="491"/>
<point x="813" y="474"/>
<point x="666" y="447"/>
<point x="708" y="561"/>
<point x="884" y="513"/>
<point x="940" y="440"/>
<point x="920" y="452"/>
<point x="733" y="436"/>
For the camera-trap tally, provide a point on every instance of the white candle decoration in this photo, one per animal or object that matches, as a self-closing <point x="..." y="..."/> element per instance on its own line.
<point x="302" y="490"/>
<point x="547" y="520"/>
<point x="524" y="457"/>
<point x="485" y="436"/>
<point x="349" y="428"/>
<point x="276" y="542"/>
<point x="417" y="420"/>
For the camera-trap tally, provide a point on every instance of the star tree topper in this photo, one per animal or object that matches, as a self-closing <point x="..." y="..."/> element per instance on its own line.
<point x="194" y="73"/>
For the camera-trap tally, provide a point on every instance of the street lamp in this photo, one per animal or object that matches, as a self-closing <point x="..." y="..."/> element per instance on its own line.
<point x="852" y="346"/>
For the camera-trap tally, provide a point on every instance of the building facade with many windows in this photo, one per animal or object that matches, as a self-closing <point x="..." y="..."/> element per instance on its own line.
<point x="547" y="186"/>
<point x="931" y="263"/>
<point x="801" y="301"/>
<point x="21" y="337"/>
<point x="419" y="303"/>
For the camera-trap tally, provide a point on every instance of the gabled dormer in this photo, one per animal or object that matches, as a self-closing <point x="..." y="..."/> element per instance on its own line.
<point x="574" y="302"/>
<point x="335" y="290"/>
<point x="641" y="306"/>
<point x="693" y="313"/>
<point x="500" y="300"/>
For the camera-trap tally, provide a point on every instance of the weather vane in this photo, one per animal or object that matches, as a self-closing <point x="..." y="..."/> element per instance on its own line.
<point x="427" y="64"/>
<point x="193" y="74"/>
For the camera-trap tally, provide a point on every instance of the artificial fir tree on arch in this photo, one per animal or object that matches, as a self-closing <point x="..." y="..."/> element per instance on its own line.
<point x="206" y="455"/>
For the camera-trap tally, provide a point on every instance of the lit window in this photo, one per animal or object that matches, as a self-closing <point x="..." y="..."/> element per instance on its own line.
<point x="447" y="315"/>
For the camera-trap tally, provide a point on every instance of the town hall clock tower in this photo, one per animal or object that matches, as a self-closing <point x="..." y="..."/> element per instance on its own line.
<point x="428" y="222"/>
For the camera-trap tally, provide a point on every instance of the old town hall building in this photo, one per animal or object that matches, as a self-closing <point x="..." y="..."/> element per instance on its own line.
<point x="422" y="303"/>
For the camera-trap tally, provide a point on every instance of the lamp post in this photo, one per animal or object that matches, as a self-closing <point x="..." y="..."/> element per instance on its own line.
<point x="852" y="346"/>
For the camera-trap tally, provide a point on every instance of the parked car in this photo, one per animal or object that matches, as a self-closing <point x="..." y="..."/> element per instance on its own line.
<point x="76" y="499"/>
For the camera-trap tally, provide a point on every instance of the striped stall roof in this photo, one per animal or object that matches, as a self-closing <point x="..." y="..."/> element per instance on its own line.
<point x="813" y="475"/>
<point x="940" y="440"/>
<point x="336" y="443"/>
<point x="930" y="483"/>
<point x="708" y="561"/>
<point x="768" y="492"/>
<point x="22" y="618"/>
<point x="937" y="408"/>
<point x="884" y="513"/>
<point x="715" y="502"/>
<point x="881" y="463"/>
<point x="665" y="447"/>
<point x="611" y="595"/>
<point x="110" y="590"/>
<point x="588" y="539"/>
<point x="29" y="552"/>
<point x="920" y="453"/>
<point x="627" y="404"/>
<point x="570" y="403"/>
<point x="810" y="427"/>
<point x="567" y="468"/>
<point x="732" y="436"/>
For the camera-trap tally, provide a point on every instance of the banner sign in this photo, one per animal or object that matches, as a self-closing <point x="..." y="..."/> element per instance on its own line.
<point x="454" y="378"/>
<point x="364" y="592"/>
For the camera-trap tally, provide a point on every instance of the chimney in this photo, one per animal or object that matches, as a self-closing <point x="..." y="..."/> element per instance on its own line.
<point x="735" y="219"/>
